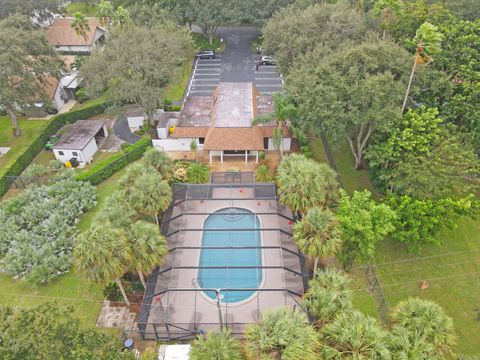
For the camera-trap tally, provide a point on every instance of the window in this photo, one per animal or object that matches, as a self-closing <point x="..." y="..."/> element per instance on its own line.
<point x="201" y="141"/>
<point x="74" y="153"/>
<point x="61" y="153"/>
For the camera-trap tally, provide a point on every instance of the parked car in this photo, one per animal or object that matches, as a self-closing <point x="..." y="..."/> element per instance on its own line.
<point x="268" y="60"/>
<point x="206" y="54"/>
<point x="51" y="141"/>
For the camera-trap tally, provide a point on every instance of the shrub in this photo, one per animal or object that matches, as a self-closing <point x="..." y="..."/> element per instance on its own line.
<point x="261" y="155"/>
<point x="198" y="174"/>
<point x="106" y="168"/>
<point x="180" y="175"/>
<point x="81" y="95"/>
<point x="216" y="345"/>
<point x="263" y="174"/>
<point x="37" y="145"/>
<point x="112" y="292"/>
<point x="38" y="232"/>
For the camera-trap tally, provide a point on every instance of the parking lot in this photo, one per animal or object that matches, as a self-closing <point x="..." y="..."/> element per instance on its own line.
<point x="205" y="76"/>
<point x="268" y="80"/>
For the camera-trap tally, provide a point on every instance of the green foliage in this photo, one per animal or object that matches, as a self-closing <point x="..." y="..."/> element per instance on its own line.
<point x="283" y="333"/>
<point x="37" y="145"/>
<point x="56" y="332"/>
<point x="327" y="295"/>
<point x="38" y="232"/>
<point x="356" y="336"/>
<point x="363" y="223"/>
<point x="216" y="345"/>
<point x="419" y="221"/>
<point x="198" y="174"/>
<point x="303" y="183"/>
<point x="263" y="174"/>
<point x="106" y="168"/>
<point x="261" y="155"/>
<point x="149" y="195"/>
<point x="421" y="327"/>
<point x="160" y="161"/>
<point x="112" y="292"/>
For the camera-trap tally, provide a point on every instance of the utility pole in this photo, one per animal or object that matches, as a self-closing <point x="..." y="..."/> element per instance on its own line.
<point x="219" y="298"/>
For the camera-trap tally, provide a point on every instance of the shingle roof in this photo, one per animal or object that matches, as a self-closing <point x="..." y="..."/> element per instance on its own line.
<point x="186" y="132"/>
<point x="247" y="138"/>
<point x="62" y="33"/>
<point x="79" y="134"/>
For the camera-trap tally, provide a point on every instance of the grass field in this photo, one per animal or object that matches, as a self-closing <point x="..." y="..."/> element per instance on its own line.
<point x="72" y="289"/>
<point x="83" y="8"/>
<point x="30" y="130"/>
<point x="175" y="92"/>
<point x="201" y="42"/>
<point x="452" y="269"/>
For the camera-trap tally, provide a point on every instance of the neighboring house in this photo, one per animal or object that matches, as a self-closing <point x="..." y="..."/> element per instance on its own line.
<point x="222" y="124"/>
<point x="65" y="40"/>
<point x="81" y="141"/>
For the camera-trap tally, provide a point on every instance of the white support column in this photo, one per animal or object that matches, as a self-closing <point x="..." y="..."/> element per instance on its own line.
<point x="210" y="154"/>
<point x="246" y="156"/>
<point x="221" y="156"/>
<point x="256" y="156"/>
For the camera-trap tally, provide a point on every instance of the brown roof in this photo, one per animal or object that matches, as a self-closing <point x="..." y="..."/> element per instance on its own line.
<point x="50" y="86"/>
<point x="190" y="131"/>
<point x="62" y="33"/>
<point x="245" y="138"/>
<point x="267" y="131"/>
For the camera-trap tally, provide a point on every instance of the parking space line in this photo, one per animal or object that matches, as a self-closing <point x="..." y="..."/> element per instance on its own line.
<point x="270" y="78"/>
<point x="268" y="85"/>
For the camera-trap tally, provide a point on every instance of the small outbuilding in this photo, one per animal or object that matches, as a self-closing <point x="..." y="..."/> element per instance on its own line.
<point x="81" y="141"/>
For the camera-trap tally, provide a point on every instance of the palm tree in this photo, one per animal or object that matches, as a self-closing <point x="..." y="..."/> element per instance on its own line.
<point x="116" y="211"/>
<point x="424" y="319"/>
<point x="263" y="174"/>
<point x="408" y="345"/>
<point x="135" y="171"/>
<point x="284" y="113"/>
<point x="104" y="12"/>
<point x="81" y="26"/>
<point x="148" y="247"/>
<point x="328" y="295"/>
<point x="216" y="345"/>
<point x="103" y="253"/>
<point x="354" y="335"/>
<point x="121" y="17"/>
<point x="149" y="196"/>
<point x="198" y="174"/>
<point x="428" y="42"/>
<point x="318" y="234"/>
<point x="283" y="334"/>
<point x="193" y="148"/>
<point x="161" y="161"/>
<point x="303" y="183"/>
<point x="387" y="9"/>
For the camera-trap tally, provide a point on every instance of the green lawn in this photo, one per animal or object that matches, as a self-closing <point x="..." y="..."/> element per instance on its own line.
<point x="83" y="8"/>
<point x="175" y="92"/>
<point x="72" y="289"/>
<point x="30" y="130"/>
<point x="201" y="42"/>
<point x="452" y="269"/>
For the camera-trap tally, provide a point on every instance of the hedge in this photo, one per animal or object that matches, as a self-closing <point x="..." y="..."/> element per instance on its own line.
<point x="37" y="145"/>
<point x="106" y="168"/>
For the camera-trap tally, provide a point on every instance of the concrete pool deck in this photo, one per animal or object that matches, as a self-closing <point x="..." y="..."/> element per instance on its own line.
<point x="187" y="310"/>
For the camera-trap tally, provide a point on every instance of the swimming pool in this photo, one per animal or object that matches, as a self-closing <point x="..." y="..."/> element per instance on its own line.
<point x="225" y="219"/>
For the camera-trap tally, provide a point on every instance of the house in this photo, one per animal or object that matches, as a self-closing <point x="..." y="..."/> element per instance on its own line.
<point x="81" y="141"/>
<point x="223" y="124"/>
<point x="65" y="40"/>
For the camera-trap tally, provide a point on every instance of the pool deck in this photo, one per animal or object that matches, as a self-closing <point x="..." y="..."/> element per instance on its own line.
<point x="194" y="310"/>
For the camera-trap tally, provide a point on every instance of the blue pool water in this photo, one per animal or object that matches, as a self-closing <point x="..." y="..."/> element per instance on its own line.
<point x="231" y="278"/>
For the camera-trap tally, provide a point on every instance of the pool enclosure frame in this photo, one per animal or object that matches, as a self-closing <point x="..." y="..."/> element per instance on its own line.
<point x="174" y="306"/>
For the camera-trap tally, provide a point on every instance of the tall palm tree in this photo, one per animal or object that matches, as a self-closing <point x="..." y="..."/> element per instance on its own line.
<point x="284" y="113"/>
<point x="135" y="171"/>
<point x="328" y="295"/>
<point x="354" y="335"/>
<point x="81" y="26"/>
<point x="428" y="42"/>
<point x="216" y="345"/>
<point x="387" y="9"/>
<point x="424" y="319"/>
<point x="318" y="234"/>
<point x="149" y="196"/>
<point x="303" y="183"/>
<point x="161" y="161"/>
<point x="116" y="211"/>
<point x="103" y="253"/>
<point x="148" y="248"/>
<point x="121" y="17"/>
<point x="193" y="148"/>
<point x="283" y="334"/>
<point x="104" y="12"/>
<point x="198" y="174"/>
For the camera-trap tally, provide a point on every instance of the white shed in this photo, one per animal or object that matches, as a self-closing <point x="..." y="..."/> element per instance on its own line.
<point x="81" y="141"/>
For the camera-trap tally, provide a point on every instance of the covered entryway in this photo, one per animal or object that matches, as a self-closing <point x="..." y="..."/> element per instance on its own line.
<point x="224" y="155"/>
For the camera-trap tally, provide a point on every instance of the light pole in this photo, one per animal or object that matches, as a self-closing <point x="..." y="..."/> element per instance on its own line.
<point x="219" y="299"/>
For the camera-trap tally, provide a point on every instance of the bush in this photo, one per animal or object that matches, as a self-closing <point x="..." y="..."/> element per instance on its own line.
<point x="263" y="174"/>
<point x="37" y="145"/>
<point x="261" y="155"/>
<point x="81" y="95"/>
<point x="198" y="174"/>
<point x="38" y="228"/>
<point x="112" y="292"/>
<point x="106" y="168"/>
